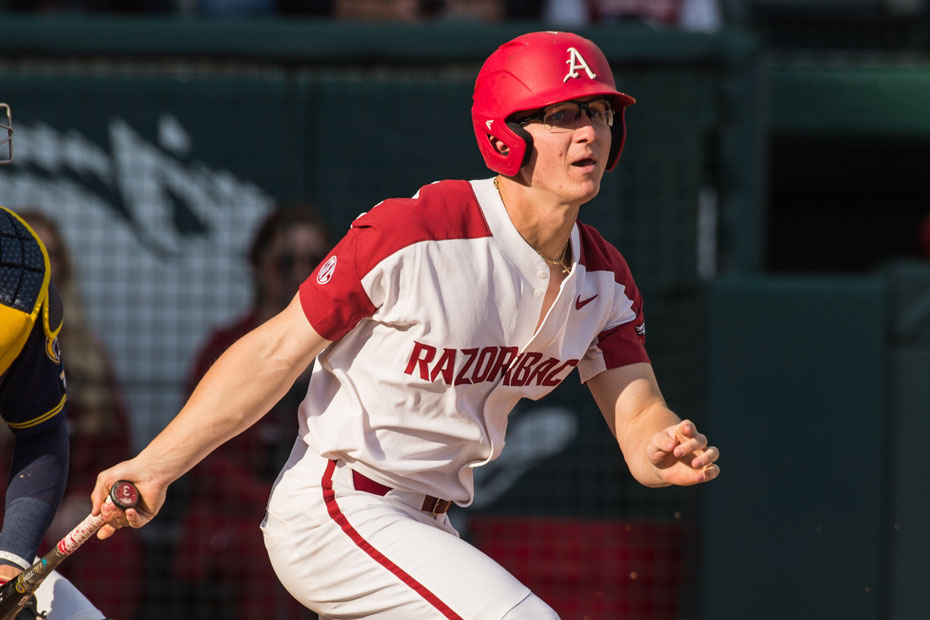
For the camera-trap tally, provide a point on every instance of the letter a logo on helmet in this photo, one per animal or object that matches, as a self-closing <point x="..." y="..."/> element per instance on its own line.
<point x="576" y="61"/>
<point x="529" y="73"/>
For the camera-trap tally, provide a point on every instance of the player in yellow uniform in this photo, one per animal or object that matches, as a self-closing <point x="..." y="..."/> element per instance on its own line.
<point x="32" y="403"/>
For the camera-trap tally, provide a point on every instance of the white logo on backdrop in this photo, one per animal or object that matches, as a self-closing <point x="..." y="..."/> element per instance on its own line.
<point x="158" y="241"/>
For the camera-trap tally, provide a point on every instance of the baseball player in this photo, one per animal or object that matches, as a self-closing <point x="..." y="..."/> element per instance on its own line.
<point x="429" y="321"/>
<point x="32" y="403"/>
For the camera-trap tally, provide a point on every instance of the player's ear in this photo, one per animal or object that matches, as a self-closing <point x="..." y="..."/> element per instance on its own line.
<point x="499" y="145"/>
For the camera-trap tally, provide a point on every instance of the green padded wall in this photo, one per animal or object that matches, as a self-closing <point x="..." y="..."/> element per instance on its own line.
<point x="906" y="526"/>
<point x="796" y="401"/>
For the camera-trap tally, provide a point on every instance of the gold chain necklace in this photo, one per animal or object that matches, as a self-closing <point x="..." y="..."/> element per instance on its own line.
<point x="560" y="262"/>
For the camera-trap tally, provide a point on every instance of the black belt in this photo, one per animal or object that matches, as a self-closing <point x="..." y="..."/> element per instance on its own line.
<point x="432" y="505"/>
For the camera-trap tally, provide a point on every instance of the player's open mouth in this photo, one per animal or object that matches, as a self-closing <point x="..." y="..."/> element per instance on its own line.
<point x="584" y="163"/>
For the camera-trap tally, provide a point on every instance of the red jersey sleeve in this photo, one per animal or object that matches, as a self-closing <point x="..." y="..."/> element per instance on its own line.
<point x="357" y="277"/>
<point x="333" y="297"/>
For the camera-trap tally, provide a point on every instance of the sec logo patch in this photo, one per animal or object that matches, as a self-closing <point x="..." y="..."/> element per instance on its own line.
<point x="325" y="274"/>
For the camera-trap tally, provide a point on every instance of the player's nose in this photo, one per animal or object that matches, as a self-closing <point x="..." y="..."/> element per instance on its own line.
<point x="585" y="131"/>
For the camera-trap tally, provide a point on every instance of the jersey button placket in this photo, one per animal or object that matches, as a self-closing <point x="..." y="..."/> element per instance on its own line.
<point x="543" y="273"/>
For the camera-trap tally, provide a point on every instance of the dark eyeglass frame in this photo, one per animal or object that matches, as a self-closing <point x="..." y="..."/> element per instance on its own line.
<point x="583" y="106"/>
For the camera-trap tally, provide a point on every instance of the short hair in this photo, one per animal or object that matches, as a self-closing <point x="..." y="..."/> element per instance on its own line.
<point x="280" y="219"/>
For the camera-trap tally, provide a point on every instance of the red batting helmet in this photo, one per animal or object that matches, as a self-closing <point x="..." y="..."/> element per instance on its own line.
<point x="531" y="72"/>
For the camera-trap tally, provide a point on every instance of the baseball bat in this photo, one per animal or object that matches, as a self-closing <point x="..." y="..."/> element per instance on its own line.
<point x="15" y="593"/>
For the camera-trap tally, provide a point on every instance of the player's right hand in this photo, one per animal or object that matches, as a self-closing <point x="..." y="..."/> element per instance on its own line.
<point x="151" y="497"/>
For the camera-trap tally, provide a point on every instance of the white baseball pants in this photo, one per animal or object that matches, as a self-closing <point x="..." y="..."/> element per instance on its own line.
<point x="349" y="554"/>
<point x="62" y="601"/>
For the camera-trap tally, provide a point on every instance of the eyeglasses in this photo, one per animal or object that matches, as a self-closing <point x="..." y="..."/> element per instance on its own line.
<point x="565" y="116"/>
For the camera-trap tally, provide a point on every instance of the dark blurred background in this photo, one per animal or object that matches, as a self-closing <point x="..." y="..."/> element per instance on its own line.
<point x="771" y="201"/>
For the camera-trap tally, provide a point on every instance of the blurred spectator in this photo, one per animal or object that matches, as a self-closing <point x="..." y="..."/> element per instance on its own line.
<point x="229" y="489"/>
<point x="379" y="10"/>
<point x="99" y="432"/>
<point x="415" y="10"/>
<point x="473" y="10"/>
<point x="698" y="15"/>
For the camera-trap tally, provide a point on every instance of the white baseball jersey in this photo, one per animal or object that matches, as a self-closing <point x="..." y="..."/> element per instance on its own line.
<point x="432" y="303"/>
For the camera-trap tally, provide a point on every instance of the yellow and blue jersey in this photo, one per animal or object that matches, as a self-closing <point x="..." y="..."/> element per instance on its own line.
<point x="32" y="378"/>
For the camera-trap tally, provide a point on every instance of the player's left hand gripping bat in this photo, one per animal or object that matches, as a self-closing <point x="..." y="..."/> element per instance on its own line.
<point x="15" y="593"/>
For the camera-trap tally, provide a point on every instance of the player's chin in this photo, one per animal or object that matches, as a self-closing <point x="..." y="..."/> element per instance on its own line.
<point x="587" y="179"/>
<point x="586" y="190"/>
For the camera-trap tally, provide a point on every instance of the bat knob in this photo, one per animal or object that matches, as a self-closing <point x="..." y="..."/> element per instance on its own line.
<point x="124" y="494"/>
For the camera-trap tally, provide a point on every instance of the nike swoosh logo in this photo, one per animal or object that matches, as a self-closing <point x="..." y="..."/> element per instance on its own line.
<point x="579" y="304"/>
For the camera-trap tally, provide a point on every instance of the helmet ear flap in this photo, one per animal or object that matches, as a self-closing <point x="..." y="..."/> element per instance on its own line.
<point x="617" y="138"/>
<point x="515" y="137"/>
<point x="527" y="138"/>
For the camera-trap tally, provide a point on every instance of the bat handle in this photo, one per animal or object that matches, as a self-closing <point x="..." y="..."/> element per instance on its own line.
<point x="124" y="494"/>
